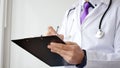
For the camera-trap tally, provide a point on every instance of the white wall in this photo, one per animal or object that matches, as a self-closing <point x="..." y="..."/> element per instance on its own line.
<point x="1" y="32"/>
<point x="31" y="18"/>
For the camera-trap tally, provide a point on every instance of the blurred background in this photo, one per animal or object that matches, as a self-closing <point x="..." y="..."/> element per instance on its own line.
<point x="27" y="18"/>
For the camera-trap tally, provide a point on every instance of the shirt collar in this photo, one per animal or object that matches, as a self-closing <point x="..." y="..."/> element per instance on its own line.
<point x="96" y="2"/>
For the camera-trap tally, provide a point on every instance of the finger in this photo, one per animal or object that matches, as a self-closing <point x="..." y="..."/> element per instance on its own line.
<point x="66" y="55"/>
<point x="55" y="49"/>
<point x="67" y="47"/>
<point x="55" y="45"/>
<point x="60" y="36"/>
<point x="60" y="46"/>
<point x="61" y="52"/>
<point x="51" y="30"/>
<point x="70" y="43"/>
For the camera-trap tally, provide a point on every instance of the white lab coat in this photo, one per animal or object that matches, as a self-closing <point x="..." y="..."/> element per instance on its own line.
<point x="101" y="53"/>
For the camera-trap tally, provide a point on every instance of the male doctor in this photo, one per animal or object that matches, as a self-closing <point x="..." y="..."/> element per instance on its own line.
<point x="89" y="43"/>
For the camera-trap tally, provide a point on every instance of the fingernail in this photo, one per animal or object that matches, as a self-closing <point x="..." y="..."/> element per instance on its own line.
<point x="48" y="46"/>
<point x="51" y="43"/>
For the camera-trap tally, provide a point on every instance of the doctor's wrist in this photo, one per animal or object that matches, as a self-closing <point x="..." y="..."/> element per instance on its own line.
<point x="84" y="61"/>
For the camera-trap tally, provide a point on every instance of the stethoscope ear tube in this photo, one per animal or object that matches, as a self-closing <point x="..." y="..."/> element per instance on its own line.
<point x="104" y="14"/>
<point x="100" y="33"/>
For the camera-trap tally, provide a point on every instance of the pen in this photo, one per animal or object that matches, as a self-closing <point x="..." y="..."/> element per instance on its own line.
<point x="57" y="30"/>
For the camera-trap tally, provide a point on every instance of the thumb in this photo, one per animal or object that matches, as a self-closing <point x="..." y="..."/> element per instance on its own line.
<point x="51" y="31"/>
<point x="61" y="36"/>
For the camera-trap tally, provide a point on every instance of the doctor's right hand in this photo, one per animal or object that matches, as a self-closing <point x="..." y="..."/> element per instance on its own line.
<point x="51" y="31"/>
<point x="70" y="51"/>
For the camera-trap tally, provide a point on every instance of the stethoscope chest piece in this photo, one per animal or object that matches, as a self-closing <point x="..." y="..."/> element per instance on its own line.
<point x="99" y="34"/>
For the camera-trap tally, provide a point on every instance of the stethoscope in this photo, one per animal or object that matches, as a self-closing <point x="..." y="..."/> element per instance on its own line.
<point x="100" y="33"/>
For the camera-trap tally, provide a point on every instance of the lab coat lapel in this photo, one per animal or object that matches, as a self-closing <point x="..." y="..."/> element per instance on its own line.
<point x="76" y="17"/>
<point x="97" y="13"/>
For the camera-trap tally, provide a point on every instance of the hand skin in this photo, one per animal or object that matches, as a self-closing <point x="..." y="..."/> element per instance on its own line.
<point x="70" y="51"/>
<point x="51" y="31"/>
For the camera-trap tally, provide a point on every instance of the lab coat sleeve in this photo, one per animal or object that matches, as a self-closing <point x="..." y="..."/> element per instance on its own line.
<point x="63" y="26"/>
<point x="107" y="60"/>
<point x="63" y="30"/>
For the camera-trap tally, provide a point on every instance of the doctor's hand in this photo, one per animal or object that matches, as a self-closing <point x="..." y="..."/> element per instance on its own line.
<point x="51" y="31"/>
<point x="70" y="51"/>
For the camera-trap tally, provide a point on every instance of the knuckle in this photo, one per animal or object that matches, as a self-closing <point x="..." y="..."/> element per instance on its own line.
<point x="70" y="60"/>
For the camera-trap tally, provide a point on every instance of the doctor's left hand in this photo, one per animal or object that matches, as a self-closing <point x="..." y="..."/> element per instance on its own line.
<point x="70" y="51"/>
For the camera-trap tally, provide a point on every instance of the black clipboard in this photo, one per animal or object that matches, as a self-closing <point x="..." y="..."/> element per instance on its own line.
<point x="37" y="46"/>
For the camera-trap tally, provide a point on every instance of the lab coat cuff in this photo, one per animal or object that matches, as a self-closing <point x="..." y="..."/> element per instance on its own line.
<point x="84" y="61"/>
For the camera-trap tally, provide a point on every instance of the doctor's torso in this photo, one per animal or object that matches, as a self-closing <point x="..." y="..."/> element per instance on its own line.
<point x="85" y="34"/>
